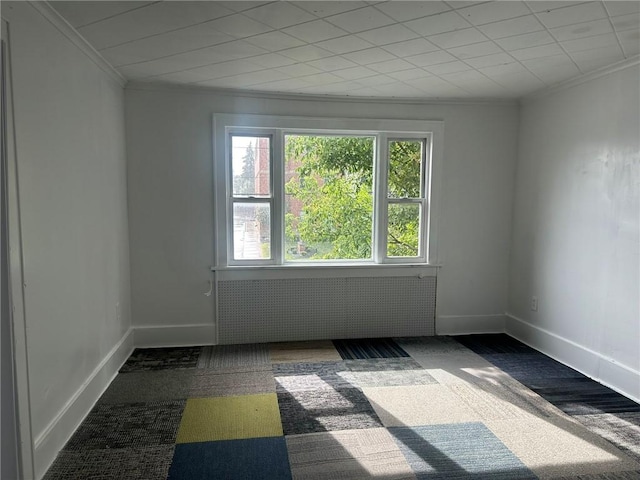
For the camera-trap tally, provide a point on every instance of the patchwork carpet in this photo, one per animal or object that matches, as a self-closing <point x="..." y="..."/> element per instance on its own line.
<point x="469" y="407"/>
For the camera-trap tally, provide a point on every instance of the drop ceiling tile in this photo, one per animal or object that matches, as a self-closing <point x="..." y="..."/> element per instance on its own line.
<point x="315" y="31"/>
<point x="443" y="22"/>
<point x="231" y="50"/>
<point x="196" y="58"/>
<point x="360" y="20"/>
<point x="158" y="46"/>
<point x="287" y="85"/>
<point x="306" y="53"/>
<point x="354" y="73"/>
<point x="431" y="58"/>
<point x="272" y="60"/>
<point x="552" y="69"/>
<point x="239" y="26"/>
<point x="225" y="69"/>
<point x="411" y="74"/>
<point x="589" y="60"/>
<point x="584" y="12"/>
<point x="322" y="79"/>
<point x="450" y="67"/>
<point x="149" y="20"/>
<point x="527" y="40"/>
<point x="237" y="6"/>
<point x="490" y="60"/>
<point x="630" y="40"/>
<point x="330" y="64"/>
<point x="299" y="70"/>
<point x="391" y="66"/>
<point x="626" y="22"/>
<point x="325" y="9"/>
<point x="376" y="80"/>
<point x="514" y="26"/>
<point x="435" y="87"/>
<point x="371" y="55"/>
<point x="79" y="14"/>
<point x="537" y="52"/>
<point x="616" y="8"/>
<point x="410" y="47"/>
<point x="279" y="14"/>
<point x="543" y="6"/>
<point x="458" y="4"/>
<point x="497" y="71"/>
<point x="579" y="30"/>
<point x="346" y="44"/>
<point x="403" y="11"/>
<point x="389" y="34"/>
<point x="252" y="78"/>
<point x="458" y="38"/>
<point x="475" y="50"/>
<point x="520" y="82"/>
<point x="398" y="89"/>
<point x="466" y="78"/>
<point x="274" y="41"/>
<point x="589" y="43"/>
<point x="558" y="74"/>
<point x="186" y="76"/>
<point x="493" y="12"/>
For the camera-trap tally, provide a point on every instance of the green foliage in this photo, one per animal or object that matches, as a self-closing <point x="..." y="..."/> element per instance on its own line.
<point x="334" y="181"/>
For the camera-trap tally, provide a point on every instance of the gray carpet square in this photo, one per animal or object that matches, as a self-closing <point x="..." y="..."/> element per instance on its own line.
<point x="385" y="372"/>
<point x="213" y="383"/>
<point x="310" y="376"/>
<point x="128" y="426"/>
<point x="162" y="358"/>
<point x="149" y="386"/>
<point x="621" y="429"/>
<point x="225" y="356"/>
<point x="309" y="411"/>
<point x="429" y="345"/>
<point x="145" y="463"/>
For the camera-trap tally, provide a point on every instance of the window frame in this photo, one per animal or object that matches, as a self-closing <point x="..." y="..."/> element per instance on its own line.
<point x="277" y="127"/>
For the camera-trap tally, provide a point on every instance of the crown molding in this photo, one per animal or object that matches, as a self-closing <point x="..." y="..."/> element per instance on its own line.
<point x="587" y="77"/>
<point x="202" y="90"/>
<point x="58" y="21"/>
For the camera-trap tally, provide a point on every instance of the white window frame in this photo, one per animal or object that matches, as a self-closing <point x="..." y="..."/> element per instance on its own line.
<point x="225" y="125"/>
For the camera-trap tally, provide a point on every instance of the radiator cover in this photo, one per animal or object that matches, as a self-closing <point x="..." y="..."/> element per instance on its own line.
<point x="273" y="310"/>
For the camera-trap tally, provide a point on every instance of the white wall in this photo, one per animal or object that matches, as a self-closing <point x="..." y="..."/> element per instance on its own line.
<point x="69" y="124"/>
<point x="169" y="148"/>
<point x="575" y="231"/>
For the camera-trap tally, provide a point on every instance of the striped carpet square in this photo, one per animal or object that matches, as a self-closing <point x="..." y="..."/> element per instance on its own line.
<point x="369" y="348"/>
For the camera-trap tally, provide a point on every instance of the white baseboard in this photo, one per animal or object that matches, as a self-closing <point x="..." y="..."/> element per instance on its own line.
<point x="466" y="324"/>
<point x="52" y="439"/>
<point x="174" y="335"/>
<point x="607" y="371"/>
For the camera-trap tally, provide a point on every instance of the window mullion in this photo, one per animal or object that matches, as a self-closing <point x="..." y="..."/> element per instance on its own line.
<point x="277" y="187"/>
<point x="380" y="190"/>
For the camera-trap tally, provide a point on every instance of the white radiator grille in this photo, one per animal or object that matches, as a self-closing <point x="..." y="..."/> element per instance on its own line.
<point x="325" y="308"/>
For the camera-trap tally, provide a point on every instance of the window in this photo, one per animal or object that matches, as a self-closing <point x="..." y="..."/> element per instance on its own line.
<point x="311" y="192"/>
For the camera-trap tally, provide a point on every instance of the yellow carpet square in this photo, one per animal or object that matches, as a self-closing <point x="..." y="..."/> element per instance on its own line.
<point x="311" y="352"/>
<point x="230" y="418"/>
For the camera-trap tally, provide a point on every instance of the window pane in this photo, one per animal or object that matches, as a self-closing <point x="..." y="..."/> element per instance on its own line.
<point x="403" y="236"/>
<point x="250" y="165"/>
<point x="328" y="197"/>
<point x="251" y="231"/>
<point x="405" y="168"/>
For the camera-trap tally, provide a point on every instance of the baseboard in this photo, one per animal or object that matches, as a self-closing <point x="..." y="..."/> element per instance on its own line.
<point x="607" y="371"/>
<point x="52" y="439"/>
<point x="466" y="324"/>
<point x="174" y="335"/>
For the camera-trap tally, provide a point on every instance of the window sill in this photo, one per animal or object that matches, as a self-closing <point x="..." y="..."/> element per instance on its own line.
<point x="324" y="270"/>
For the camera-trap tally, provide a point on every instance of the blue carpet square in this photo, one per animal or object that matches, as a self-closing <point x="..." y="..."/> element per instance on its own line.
<point x="363" y="348"/>
<point x="458" y="451"/>
<point x="238" y="459"/>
